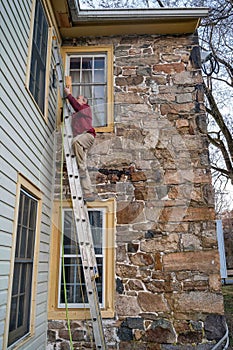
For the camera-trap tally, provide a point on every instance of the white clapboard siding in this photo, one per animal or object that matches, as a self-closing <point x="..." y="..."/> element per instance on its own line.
<point x="27" y="149"/>
<point x="6" y="237"/>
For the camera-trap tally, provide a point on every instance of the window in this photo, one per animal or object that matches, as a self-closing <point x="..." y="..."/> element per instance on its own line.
<point x="74" y="277"/>
<point x="21" y="295"/>
<point x="37" y="80"/>
<point x="88" y="74"/>
<point x="102" y="220"/>
<point x="91" y="74"/>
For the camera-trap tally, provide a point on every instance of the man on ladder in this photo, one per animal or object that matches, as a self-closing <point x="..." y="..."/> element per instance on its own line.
<point x="83" y="139"/>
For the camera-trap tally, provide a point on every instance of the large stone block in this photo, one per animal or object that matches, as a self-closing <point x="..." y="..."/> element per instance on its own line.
<point x="141" y="259"/>
<point x="169" y="68"/>
<point x="198" y="301"/>
<point x="126" y="271"/>
<point x="129" y="212"/>
<point x="157" y="244"/>
<point x="152" y="302"/>
<point x="161" y="331"/>
<point x="127" y="306"/>
<point x="203" y="261"/>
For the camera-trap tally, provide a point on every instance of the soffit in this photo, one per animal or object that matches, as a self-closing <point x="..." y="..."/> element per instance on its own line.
<point x="73" y="22"/>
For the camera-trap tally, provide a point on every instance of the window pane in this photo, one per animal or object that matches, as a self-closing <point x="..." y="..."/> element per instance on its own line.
<point x="76" y="294"/>
<point x="99" y="92"/>
<point x="99" y="76"/>
<point x="25" y="211"/>
<point x="16" y="279"/>
<point x="75" y="77"/>
<point x="99" y="280"/>
<point x="87" y="63"/>
<point x="21" y="206"/>
<point x="30" y="244"/>
<point x="75" y="63"/>
<point x="23" y="278"/>
<point x="44" y="36"/>
<point x="86" y="77"/>
<point x="32" y="217"/>
<point x="18" y="242"/>
<point x="21" y="310"/>
<point x="70" y="246"/>
<point x="96" y="222"/>
<point x="81" y="294"/>
<point x="23" y="242"/>
<point x="76" y="91"/>
<point x="13" y="314"/>
<point x="86" y="91"/>
<point x="74" y="278"/>
<point x="100" y="114"/>
<point x="72" y="269"/>
<point x="99" y="63"/>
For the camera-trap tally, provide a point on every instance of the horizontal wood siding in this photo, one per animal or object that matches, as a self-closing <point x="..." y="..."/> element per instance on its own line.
<point x="27" y="148"/>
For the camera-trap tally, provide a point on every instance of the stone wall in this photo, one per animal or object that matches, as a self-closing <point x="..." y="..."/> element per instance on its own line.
<point x="156" y="165"/>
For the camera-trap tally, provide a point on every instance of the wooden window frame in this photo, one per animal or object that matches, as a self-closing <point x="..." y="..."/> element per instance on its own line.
<point x="47" y="12"/>
<point x="108" y="51"/>
<point x="25" y="184"/>
<point x="58" y="313"/>
<point x="76" y="256"/>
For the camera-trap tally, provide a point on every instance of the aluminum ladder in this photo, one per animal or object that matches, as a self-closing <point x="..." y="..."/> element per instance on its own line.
<point x="83" y="228"/>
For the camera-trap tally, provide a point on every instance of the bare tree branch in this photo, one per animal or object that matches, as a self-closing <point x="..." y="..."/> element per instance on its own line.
<point x="214" y="111"/>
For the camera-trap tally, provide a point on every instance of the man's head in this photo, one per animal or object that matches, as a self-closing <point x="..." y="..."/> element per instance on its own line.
<point x="82" y="100"/>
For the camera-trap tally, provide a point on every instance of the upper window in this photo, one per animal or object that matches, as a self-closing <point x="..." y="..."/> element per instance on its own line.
<point x="37" y="81"/>
<point x="91" y="74"/>
<point x="21" y="295"/>
<point x="88" y="73"/>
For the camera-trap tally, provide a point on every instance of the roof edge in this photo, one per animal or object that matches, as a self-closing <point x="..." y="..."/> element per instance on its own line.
<point x="79" y="14"/>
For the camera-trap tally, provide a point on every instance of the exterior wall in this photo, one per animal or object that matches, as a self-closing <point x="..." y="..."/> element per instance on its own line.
<point x="156" y="165"/>
<point x="27" y="148"/>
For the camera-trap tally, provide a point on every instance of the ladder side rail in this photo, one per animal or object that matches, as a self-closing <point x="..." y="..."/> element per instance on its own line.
<point x="59" y="67"/>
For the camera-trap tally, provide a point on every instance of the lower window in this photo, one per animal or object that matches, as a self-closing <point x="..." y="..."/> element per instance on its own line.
<point x="72" y="281"/>
<point x="67" y="283"/>
<point x="21" y="295"/>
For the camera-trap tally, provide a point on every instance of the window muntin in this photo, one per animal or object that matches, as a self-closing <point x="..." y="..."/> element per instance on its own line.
<point x="89" y="78"/>
<point x="19" y="324"/>
<point x="74" y="277"/>
<point x="39" y="56"/>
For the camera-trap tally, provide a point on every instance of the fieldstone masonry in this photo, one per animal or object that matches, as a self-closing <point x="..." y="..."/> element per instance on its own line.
<point x="155" y="164"/>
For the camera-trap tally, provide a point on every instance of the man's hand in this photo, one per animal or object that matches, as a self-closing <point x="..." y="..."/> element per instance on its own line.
<point x="67" y="90"/>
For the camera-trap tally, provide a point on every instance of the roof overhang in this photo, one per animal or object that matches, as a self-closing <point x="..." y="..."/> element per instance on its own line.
<point x="76" y="22"/>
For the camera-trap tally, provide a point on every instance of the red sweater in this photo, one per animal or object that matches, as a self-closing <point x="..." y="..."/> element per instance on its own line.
<point x="82" y="118"/>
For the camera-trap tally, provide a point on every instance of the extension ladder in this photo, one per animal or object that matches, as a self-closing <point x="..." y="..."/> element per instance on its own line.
<point x="83" y="228"/>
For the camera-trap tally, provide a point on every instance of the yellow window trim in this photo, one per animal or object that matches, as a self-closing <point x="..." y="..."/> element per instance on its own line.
<point x="56" y="313"/>
<point x="108" y="49"/>
<point x="23" y="182"/>
<point x="48" y="62"/>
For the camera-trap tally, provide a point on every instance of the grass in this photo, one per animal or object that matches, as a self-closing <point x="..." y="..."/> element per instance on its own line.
<point x="227" y="291"/>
